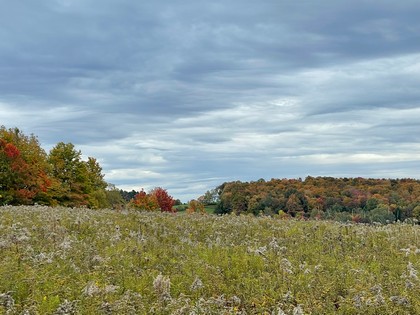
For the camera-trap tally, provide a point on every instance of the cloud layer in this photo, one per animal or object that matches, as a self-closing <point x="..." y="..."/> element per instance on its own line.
<point x="189" y="95"/>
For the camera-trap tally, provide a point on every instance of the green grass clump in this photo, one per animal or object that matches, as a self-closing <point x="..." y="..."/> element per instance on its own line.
<point x="80" y="261"/>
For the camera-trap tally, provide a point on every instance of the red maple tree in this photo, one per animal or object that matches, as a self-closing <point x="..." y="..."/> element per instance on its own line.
<point x="165" y="201"/>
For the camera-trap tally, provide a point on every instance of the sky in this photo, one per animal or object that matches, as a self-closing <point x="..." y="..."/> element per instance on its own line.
<point x="186" y="95"/>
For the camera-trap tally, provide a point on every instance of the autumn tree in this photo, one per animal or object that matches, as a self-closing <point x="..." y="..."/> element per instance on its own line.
<point x="144" y="201"/>
<point x="24" y="168"/>
<point x="195" y="206"/>
<point x="10" y="175"/>
<point x="294" y="205"/>
<point x="29" y="175"/>
<point x="165" y="201"/>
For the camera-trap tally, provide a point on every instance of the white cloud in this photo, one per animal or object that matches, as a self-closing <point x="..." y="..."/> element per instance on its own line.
<point x="132" y="173"/>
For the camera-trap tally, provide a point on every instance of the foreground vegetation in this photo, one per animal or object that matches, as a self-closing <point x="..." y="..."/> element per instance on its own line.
<point x="81" y="261"/>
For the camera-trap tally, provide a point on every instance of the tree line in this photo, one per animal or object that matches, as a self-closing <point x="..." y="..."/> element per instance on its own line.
<point x="344" y="199"/>
<point x="29" y="175"/>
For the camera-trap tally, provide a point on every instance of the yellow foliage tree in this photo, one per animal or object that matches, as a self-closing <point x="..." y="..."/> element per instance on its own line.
<point x="195" y="206"/>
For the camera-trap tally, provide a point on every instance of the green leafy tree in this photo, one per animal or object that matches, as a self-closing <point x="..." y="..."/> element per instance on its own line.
<point x="416" y="212"/>
<point x="114" y="198"/>
<point x="381" y="214"/>
<point x="128" y="195"/>
<point x="72" y="179"/>
<point x="371" y="204"/>
<point x="95" y="184"/>
<point x="210" y="197"/>
<point x="78" y="183"/>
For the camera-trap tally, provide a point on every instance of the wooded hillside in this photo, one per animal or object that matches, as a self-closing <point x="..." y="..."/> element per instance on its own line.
<point x="357" y="199"/>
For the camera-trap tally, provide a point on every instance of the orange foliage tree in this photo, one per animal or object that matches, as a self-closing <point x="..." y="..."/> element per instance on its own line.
<point x="144" y="201"/>
<point x="157" y="199"/>
<point x="24" y="169"/>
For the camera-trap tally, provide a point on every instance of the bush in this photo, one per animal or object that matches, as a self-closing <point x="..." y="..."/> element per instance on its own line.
<point x="381" y="214"/>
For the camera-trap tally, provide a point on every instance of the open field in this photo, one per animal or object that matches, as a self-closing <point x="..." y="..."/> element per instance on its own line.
<point x="208" y="208"/>
<point x="80" y="261"/>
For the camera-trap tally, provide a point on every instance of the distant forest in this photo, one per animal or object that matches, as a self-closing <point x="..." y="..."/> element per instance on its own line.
<point x="343" y="199"/>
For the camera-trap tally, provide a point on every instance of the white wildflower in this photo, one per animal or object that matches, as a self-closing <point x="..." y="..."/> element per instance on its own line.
<point x="286" y="265"/>
<point x="288" y="297"/>
<point x="379" y="299"/>
<point x="7" y="301"/>
<point x="19" y="234"/>
<point x="66" y="244"/>
<point x="358" y="300"/>
<point x="197" y="284"/>
<point x="106" y="308"/>
<point x="409" y="284"/>
<point x="91" y="289"/>
<point x="235" y="300"/>
<point x="66" y="308"/>
<point x="377" y="289"/>
<point x="162" y="286"/>
<point x="43" y="258"/>
<point x="412" y="273"/>
<point x="304" y="267"/>
<point x="111" y="288"/>
<point x="298" y="310"/>
<point x="400" y="300"/>
<point x="281" y="312"/>
<point x="261" y="250"/>
<point x="406" y="251"/>
<point x="274" y="245"/>
<point x="117" y="235"/>
<point x="4" y="244"/>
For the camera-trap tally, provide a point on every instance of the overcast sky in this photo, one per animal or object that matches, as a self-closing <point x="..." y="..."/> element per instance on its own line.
<point x="189" y="94"/>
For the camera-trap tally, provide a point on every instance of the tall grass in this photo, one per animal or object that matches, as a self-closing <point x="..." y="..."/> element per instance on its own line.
<point x="80" y="261"/>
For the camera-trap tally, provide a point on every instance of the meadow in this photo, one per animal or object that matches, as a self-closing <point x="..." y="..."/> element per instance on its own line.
<point x="81" y="261"/>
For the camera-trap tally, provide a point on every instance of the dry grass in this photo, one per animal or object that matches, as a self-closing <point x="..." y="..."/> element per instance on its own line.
<point x="79" y="261"/>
